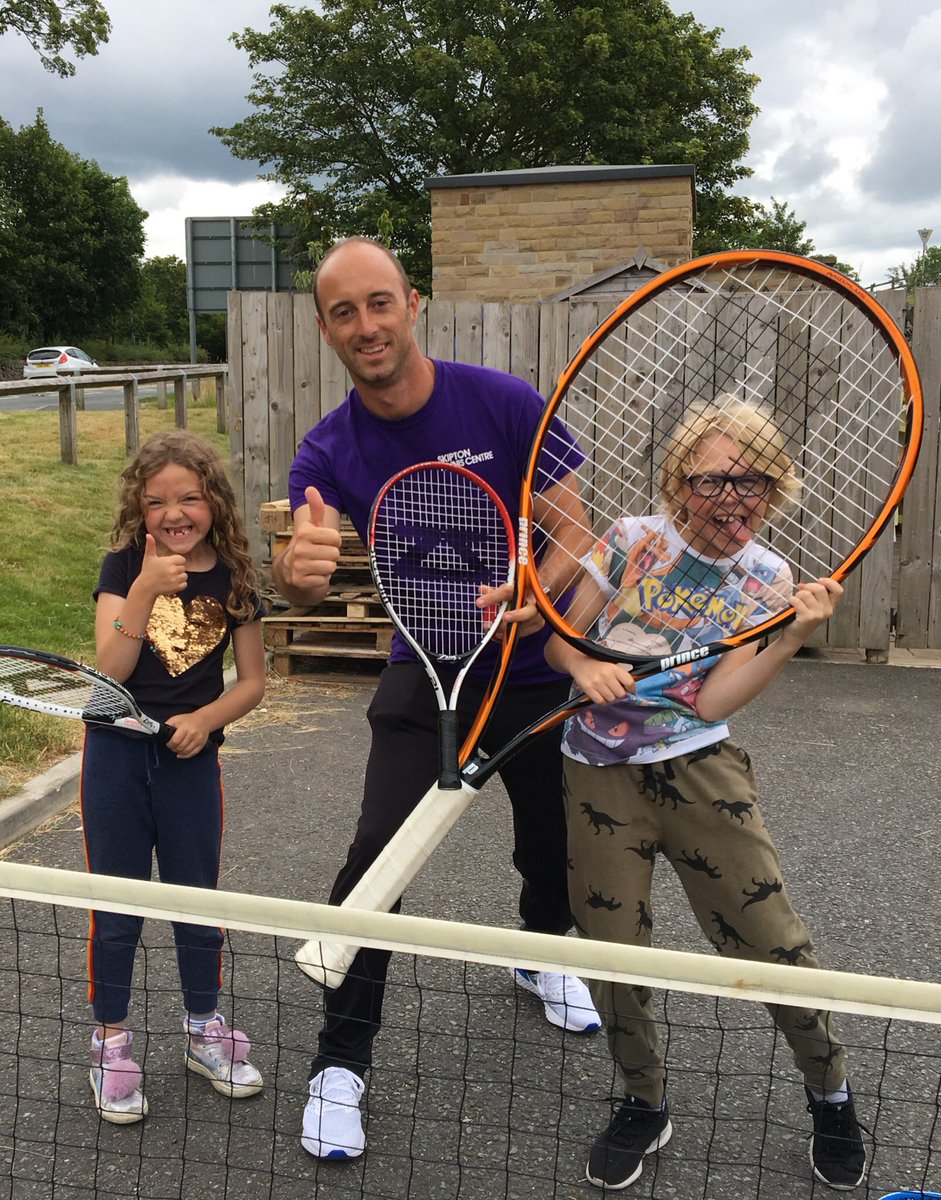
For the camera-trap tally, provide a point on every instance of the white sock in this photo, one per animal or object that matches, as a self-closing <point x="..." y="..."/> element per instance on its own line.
<point x="839" y="1095"/>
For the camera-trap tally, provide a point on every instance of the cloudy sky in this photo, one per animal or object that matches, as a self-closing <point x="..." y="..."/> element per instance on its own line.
<point x="848" y="134"/>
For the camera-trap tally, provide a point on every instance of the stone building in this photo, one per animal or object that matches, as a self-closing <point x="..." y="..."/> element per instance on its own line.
<point x="530" y="234"/>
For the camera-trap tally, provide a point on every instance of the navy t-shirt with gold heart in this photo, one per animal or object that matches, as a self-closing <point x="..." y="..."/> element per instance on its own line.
<point x="189" y="633"/>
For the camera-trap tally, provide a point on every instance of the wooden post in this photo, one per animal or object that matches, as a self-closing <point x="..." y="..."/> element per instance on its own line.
<point x="131" y="417"/>
<point x="179" y="401"/>
<point x="68" y="433"/>
<point x="222" y="423"/>
<point x="162" y="394"/>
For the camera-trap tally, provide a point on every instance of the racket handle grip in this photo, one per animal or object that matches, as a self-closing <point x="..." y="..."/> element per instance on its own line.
<point x="164" y="733"/>
<point x="383" y="883"/>
<point x="449" y="772"/>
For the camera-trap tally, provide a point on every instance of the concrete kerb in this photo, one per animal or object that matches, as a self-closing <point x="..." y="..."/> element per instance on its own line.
<point x="56" y="789"/>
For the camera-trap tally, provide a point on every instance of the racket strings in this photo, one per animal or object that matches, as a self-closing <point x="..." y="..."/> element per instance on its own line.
<point x="821" y="368"/>
<point x="44" y="685"/>
<point x="436" y="538"/>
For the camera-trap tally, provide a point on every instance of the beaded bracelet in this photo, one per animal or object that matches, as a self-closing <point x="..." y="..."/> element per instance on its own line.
<point x="137" y="637"/>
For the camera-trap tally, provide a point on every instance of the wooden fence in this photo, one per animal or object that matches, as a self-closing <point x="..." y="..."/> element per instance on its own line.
<point x="71" y="389"/>
<point x="282" y="379"/>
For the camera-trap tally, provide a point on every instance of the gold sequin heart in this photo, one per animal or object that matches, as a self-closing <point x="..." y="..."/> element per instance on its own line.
<point x="183" y="635"/>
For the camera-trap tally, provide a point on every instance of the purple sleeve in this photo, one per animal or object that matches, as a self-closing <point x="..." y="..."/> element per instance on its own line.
<point x="311" y="468"/>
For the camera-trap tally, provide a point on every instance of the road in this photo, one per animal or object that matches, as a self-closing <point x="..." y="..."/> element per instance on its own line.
<point x="473" y="1095"/>
<point x="96" y="400"/>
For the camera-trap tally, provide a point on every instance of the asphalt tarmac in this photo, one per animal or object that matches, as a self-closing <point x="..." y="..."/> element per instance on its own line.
<point x="850" y="776"/>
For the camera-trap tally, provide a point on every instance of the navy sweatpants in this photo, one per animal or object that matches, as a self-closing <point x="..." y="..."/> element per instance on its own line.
<point x="139" y="799"/>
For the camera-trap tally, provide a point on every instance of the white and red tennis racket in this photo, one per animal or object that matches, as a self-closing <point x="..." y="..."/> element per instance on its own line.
<point x="438" y="533"/>
<point x="843" y="398"/>
<point x="58" y="687"/>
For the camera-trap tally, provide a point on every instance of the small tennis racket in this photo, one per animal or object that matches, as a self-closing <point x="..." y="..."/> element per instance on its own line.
<point x="58" y="687"/>
<point x="437" y="534"/>
<point x="840" y="389"/>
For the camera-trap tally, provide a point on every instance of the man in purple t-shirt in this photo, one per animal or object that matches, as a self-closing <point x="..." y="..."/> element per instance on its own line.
<point x="405" y="408"/>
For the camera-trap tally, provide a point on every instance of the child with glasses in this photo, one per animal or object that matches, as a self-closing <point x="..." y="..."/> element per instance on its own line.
<point x="652" y="763"/>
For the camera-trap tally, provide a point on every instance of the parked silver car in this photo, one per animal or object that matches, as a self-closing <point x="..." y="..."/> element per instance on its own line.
<point x="50" y="360"/>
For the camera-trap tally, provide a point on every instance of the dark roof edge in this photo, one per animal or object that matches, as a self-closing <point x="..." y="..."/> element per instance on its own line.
<point x="583" y="174"/>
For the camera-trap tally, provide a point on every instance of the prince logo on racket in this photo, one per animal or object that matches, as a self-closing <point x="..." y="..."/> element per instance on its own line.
<point x="665" y="584"/>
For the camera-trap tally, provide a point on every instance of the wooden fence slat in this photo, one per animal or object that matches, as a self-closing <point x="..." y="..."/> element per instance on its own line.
<point x="281" y="393"/>
<point x="307" y="345"/>
<point x="257" y="444"/>
<point x="496" y="336"/>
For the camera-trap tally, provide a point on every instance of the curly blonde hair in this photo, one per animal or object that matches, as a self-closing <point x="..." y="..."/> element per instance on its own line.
<point x="753" y="428"/>
<point x="227" y="535"/>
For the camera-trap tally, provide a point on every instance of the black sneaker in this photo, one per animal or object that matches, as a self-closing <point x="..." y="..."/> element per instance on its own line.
<point x="837" y="1154"/>
<point x="636" y="1129"/>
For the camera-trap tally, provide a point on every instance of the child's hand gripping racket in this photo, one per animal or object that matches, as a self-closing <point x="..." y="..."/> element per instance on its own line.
<point x="838" y="384"/>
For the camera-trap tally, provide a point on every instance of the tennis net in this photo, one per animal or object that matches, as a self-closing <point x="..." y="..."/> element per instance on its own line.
<point x="472" y="1096"/>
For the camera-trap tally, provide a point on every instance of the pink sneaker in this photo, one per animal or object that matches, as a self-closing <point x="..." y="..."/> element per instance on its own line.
<point x="116" y="1079"/>
<point x="220" y="1054"/>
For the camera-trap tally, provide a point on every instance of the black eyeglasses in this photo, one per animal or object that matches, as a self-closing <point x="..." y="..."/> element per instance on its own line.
<point x="711" y="487"/>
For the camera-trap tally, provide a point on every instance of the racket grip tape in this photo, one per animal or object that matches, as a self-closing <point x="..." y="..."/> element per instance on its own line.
<point x="449" y="771"/>
<point x="383" y="883"/>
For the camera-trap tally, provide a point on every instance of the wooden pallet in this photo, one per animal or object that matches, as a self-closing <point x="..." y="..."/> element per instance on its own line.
<point x="348" y="628"/>
<point x="303" y="639"/>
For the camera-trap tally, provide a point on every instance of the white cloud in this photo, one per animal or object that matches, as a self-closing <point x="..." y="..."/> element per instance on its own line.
<point x="850" y="96"/>
<point x="170" y="199"/>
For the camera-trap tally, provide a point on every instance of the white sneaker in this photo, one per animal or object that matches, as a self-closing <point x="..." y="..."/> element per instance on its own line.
<point x="565" y="998"/>
<point x="333" y="1127"/>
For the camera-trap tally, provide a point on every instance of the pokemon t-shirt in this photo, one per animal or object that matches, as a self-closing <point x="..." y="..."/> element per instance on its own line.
<point x="663" y="598"/>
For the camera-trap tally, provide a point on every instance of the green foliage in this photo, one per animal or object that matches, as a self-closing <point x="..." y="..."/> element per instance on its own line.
<point x="744" y="224"/>
<point x="158" y="315"/>
<point x="50" y="28"/>
<point x="357" y="103"/>
<point x="71" y="239"/>
<point x="925" y="271"/>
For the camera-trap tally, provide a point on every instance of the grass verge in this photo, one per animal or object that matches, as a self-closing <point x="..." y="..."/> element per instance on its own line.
<point x="54" y="526"/>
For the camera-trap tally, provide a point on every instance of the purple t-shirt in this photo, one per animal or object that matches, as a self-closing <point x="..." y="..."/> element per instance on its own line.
<point x="476" y="417"/>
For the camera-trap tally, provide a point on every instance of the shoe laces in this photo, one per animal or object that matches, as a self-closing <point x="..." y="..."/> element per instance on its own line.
<point x="627" y="1111"/>
<point x="836" y="1121"/>
<point x="552" y="987"/>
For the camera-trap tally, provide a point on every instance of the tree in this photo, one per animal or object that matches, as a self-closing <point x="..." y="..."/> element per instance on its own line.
<point x="369" y="98"/>
<point x="925" y="271"/>
<point x="159" y="315"/>
<point x="71" y="238"/>
<point x="50" y="28"/>
<point x="748" y="225"/>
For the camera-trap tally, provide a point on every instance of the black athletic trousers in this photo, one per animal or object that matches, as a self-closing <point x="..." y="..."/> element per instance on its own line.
<point x="402" y="765"/>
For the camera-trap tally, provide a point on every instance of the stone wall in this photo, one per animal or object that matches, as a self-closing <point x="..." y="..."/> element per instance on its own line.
<point x="526" y="235"/>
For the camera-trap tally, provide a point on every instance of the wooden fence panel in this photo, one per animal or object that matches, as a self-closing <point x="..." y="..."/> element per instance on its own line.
<point x="282" y="380"/>
<point x="918" y="568"/>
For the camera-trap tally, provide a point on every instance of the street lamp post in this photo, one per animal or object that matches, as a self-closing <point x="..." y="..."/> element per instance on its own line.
<point x="925" y="235"/>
